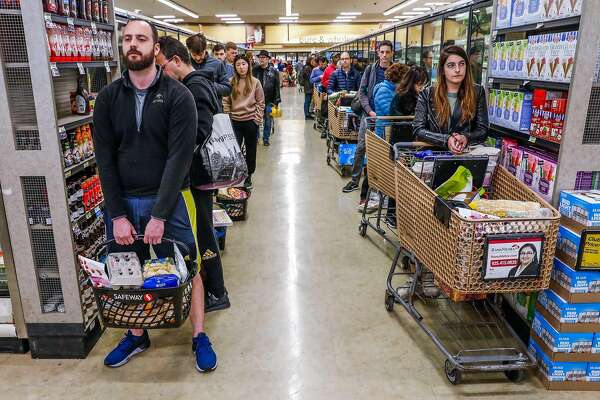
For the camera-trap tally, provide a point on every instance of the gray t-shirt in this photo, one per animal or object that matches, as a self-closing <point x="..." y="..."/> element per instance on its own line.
<point x="140" y="97"/>
<point x="452" y="99"/>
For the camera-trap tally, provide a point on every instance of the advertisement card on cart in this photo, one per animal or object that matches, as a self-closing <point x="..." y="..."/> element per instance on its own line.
<point x="513" y="256"/>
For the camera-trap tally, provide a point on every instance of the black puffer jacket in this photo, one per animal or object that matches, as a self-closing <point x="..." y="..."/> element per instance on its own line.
<point x="426" y="127"/>
<point x="269" y="79"/>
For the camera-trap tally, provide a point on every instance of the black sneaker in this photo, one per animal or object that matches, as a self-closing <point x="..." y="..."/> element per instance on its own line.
<point x="323" y="135"/>
<point x="350" y="187"/>
<point x="390" y="220"/>
<point x="248" y="182"/>
<point x="212" y="303"/>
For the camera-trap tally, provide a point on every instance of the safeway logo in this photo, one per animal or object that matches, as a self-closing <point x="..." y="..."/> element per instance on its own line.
<point x="148" y="298"/>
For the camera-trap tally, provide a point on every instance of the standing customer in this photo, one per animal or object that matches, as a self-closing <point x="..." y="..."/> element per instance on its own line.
<point x="145" y="131"/>
<point x="328" y="71"/>
<point x="311" y="63"/>
<point x="219" y="52"/>
<point x="318" y="71"/>
<point x="453" y="113"/>
<point x="175" y="61"/>
<point x="201" y="61"/>
<point x="373" y="74"/>
<point x="230" y="55"/>
<point x="268" y="76"/>
<point x="345" y="77"/>
<point x="403" y="105"/>
<point x="246" y="106"/>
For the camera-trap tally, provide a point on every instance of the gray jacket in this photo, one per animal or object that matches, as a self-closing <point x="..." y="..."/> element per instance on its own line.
<point x="217" y="69"/>
<point x="367" y="86"/>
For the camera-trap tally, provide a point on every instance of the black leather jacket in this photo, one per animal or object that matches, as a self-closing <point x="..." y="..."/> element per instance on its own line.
<point x="269" y="78"/>
<point x="426" y="127"/>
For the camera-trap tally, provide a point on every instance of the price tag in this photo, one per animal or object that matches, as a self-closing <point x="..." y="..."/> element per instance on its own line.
<point x="70" y="24"/>
<point x="532" y="139"/>
<point x="62" y="133"/>
<point x="494" y="34"/>
<point x="106" y="66"/>
<point x="94" y="31"/>
<point x="88" y="215"/>
<point x="525" y="83"/>
<point x="81" y="68"/>
<point x="54" y="70"/>
<point x="67" y="173"/>
<point x="86" y="164"/>
<point x="48" y="20"/>
<point x="491" y="81"/>
<point x="30" y="221"/>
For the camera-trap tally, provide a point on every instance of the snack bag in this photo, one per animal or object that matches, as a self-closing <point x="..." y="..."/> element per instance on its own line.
<point x="461" y="181"/>
<point x="96" y="271"/>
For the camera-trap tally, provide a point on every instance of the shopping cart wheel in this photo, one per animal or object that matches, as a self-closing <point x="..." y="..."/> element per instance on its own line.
<point x="453" y="374"/>
<point x="389" y="301"/>
<point x="362" y="229"/>
<point x="515" y="376"/>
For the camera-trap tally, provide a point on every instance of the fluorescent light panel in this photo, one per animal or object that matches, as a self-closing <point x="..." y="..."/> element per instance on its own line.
<point x="225" y="15"/>
<point x="173" y="20"/>
<point x="177" y="7"/>
<point x="413" y="13"/>
<point x="163" y="16"/>
<point x="399" y="7"/>
<point x="231" y="19"/>
<point x="350" y="13"/>
<point x="346" y="17"/>
<point x="234" y="22"/>
<point x="421" y="9"/>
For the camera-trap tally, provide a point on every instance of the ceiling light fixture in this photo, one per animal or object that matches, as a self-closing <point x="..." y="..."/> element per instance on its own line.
<point x="398" y="7"/>
<point x="346" y="17"/>
<point x="163" y="16"/>
<point x="413" y="13"/>
<point x="288" y="17"/>
<point x="225" y="15"/>
<point x="350" y="13"/>
<point x="231" y="19"/>
<point x="177" y="7"/>
<point x="234" y="22"/>
<point x="437" y="3"/>
<point x="173" y="20"/>
<point x="421" y="9"/>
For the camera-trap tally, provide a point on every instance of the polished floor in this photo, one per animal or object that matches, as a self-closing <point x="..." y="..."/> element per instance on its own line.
<point x="307" y="319"/>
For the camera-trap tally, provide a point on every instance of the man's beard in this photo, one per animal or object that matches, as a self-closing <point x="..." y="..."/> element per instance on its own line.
<point x="144" y="62"/>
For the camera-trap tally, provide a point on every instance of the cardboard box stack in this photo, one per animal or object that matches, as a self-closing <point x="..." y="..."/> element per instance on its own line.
<point x="565" y="336"/>
<point x="511" y="13"/>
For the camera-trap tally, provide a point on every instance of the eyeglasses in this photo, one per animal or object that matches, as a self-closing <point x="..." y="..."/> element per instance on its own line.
<point x="453" y="65"/>
<point x="166" y="63"/>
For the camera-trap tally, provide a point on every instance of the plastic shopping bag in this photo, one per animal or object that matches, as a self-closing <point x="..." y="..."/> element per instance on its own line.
<point x="221" y="157"/>
<point x="276" y="112"/>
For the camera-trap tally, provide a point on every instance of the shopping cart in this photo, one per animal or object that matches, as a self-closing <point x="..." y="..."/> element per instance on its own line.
<point x="341" y="139"/>
<point x="380" y="165"/>
<point x="320" y="123"/>
<point x="440" y="249"/>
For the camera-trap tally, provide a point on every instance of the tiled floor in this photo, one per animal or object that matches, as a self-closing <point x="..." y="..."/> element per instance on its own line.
<point x="307" y="319"/>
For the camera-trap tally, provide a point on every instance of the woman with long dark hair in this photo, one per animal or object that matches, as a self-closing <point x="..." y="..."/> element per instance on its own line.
<point x="528" y="265"/>
<point x="403" y="105"/>
<point x="453" y="112"/>
<point x="245" y="106"/>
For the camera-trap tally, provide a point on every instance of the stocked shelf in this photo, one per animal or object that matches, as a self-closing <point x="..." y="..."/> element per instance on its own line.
<point x="527" y="84"/>
<point x="74" y="169"/>
<point x="541" y="26"/>
<point x="85" y="64"/>
<point x="90" y="214"/>
<point x="79" y="22"/>
<point x="73" y="121"/>
<point x="526" y="138"/>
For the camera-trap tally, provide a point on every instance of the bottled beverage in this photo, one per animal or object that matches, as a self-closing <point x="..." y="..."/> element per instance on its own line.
<point x="80" y="105"/>
<point x="51" y="6"/>
<point x="96" y="10"/>
<point x="73" y="8"/>
<point x="63" y="7"/>
<point x="88" y="9"/>
<point x="105" y="12"/>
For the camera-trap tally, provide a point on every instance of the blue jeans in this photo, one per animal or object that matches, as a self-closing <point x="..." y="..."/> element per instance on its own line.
<point x="307" y="100"/>
<point x="267" y="122"/>
<point x="178" y="227"/>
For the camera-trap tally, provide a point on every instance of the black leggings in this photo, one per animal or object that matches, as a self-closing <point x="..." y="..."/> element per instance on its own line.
<point x="207" y="243"/>
<point x="247" y="131"/>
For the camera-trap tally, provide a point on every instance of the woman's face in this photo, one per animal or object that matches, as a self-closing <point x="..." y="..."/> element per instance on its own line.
<point x="419" y="87"/>
<point x="455" y="69"/>
<point x="526" y="255"/>
<point x="241" y="66"/>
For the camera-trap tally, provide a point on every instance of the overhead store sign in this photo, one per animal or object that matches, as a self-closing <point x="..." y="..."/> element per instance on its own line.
<point x="327" y="38"/>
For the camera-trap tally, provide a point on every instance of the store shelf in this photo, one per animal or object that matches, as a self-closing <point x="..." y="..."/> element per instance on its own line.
<point x="74" y="169"/>
<point x="79" y="22"/>
<point x="542" y="26"/>
<point x="73" y="121"/>
<point x="526" y="138"/>
<point x="88" y="64"/>
<point x="90" y="214"/>
<point x="4" y="11"/>
<point x="527" y="84"/>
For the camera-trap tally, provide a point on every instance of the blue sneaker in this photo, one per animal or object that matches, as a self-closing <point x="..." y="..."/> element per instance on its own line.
<point x="206" y="359"/>
<point x="128" y="347"/>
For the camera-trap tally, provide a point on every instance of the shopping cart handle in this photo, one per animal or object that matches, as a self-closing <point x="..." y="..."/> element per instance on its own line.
<point x="413" y="145"/>
<point x="105" y="246"/>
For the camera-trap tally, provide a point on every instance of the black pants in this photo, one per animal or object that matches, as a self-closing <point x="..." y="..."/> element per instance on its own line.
<point x="207" y="243"/>
<point x="365" y="187"/>
<point x="247" y="132"/>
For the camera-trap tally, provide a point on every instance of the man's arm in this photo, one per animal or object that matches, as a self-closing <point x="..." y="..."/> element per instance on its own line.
<point x="106" y="148"/>
<point x="222" y="81"/>
<point x="333" y="83"/>
<point x="259" y="96"/>
<point x="183" y="122"/>
<point x="314" y="78"/>
<point x="277" y="90"/>
<point x="203" y="96"/>
<point x="363" y="90"/>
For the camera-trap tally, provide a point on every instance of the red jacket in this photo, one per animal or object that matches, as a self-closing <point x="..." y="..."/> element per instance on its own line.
<point x="328" y="71"/>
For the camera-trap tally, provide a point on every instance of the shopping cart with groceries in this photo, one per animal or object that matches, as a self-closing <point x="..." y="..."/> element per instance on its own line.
<point x="319" y="101"/>
<point x="460" y="251"/>
<point x="342" y="135"/>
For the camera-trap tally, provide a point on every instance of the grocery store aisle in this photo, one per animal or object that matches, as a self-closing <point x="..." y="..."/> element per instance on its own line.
<point x="307" y="319"/>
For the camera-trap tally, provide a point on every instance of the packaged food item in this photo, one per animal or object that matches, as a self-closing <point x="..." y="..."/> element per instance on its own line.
<point x="519" y="12"/>
<point x="503" y="14"/>
<point x="508" y="208"/>
<point x="159" y="266"/>
<point x="96" y="271"/>
<point x="580" y="313"/>
<point x="581" y="206"/>
<point x="125" y="270"/>
<point x="51" y="6"/>
<point x="161" y="282"/>
<point x="561" y="342"/>
<point x="575" y="281"/>
<point x="557" y="371"/>
<point x="460" y="182"/>
<point x="474" y="215"/>
<point x="596" y="345"/>
<point x="593" y="372"/>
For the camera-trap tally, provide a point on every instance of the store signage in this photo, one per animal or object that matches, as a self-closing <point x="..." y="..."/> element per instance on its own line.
<point x="589" y="255"/>
<point x="327" y="38"/>
<point x="513" y="256"/>
<point x="131" y="298"/>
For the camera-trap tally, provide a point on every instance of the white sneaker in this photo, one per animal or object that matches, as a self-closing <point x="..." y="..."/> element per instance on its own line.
<point x="372" y="206"/>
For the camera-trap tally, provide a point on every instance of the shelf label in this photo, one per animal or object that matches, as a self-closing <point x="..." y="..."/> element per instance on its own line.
<point x="54" y="70"/>
<point x="86" y="164"/>
<point x="494" y="34"/>
<point x="48" y="221"/>
<point x="88" y="215"/>
<point x="71" y="24"/>
<point x="67" y="173"/>
<point x="48" y="20"/>
<point x="62" y="133"/>
<point x="106" y="66"/>
<point x="532" y="139"/>
<point x="81" y="68"/>
<point x="491" y="81"/>
<point x="539" y="25"/>
<point x="94" y="31"/>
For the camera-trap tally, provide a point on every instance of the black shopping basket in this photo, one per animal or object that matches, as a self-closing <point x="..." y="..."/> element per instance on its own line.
<point x="146" y="308"/>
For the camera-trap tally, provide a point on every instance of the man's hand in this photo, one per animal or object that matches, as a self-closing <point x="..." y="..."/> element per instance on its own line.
<point x="372" y="114"/>
<point x="154" y="231"/>
<point x="123" y="231"/>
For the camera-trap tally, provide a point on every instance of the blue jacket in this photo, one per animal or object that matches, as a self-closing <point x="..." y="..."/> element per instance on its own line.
<point x="340" y="80"/>
<point x="316" y="75"/>
<point x="383" y="95"/>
